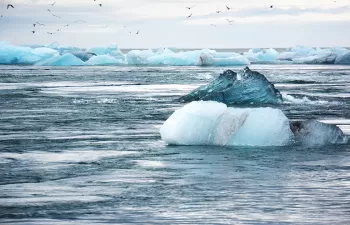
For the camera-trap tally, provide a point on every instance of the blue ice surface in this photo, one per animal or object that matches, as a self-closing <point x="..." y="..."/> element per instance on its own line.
<point x="56" y="55"/>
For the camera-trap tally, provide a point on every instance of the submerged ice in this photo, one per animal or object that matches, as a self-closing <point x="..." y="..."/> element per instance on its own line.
<point x="112" y="55"/>
<point x="243" y="87"/>
<point x="213" y="123"/>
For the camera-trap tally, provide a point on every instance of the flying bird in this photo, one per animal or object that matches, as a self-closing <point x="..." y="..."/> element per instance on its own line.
<point x="100" y="5"/>
<point x="138" y="32"/>
<point x="228" y="8"/>
<point x="56" y="16"/>
<point x="271" y="7"/>
<point x="53" y="4"/>
<point x="48" y="10"/>
<point x="230" y="21"/>
<point x="50" y="33"/>
<point x="10" y="5"/>
<point x="33" y="31"/>
<point x="218" y="11"/>
<point x="37" y="23"/>
<point x="212" y="25"/>
<point x="189" y="15"/>
<point x="190" y="7"/>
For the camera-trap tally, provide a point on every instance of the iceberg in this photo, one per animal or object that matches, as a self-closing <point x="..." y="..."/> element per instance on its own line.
<point x="111" y="50"/>
<point x="64" y="60"/>
<point x="112" y="55"/>
<point x="103" y="60"/>
<point x="10" y="54"/>
<point x="244" y="87"/>
<point x="343" y="59"/>
<point x="83" y="55"/>
<point x="167" y="57"/>
<point x="261" y="55"/>
<point x="217" y="59"/>
<point x="213" y="123"/>
<point x="323" y="58"/>
<point x="313" y="132"/>
<point x="139" y="57"/>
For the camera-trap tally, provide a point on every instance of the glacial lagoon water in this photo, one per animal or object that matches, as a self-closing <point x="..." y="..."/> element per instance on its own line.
<point x="81" y="145"/>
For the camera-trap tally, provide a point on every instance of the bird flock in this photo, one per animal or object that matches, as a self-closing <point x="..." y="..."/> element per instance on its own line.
<point x="230" y="22"/>
<point x="50" y="10"/>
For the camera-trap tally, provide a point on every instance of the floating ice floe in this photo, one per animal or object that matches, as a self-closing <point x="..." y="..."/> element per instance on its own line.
<point x="243" y="87"/>
<point x="213" y="123"/>
<point x="35" y="54"/>
<point x="313" y="132"/>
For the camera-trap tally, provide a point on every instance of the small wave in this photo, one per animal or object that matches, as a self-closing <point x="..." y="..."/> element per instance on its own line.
<point x="304" y="100"/>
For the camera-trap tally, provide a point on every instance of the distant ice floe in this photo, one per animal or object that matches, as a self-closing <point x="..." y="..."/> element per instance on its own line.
<point x="56" y="55"/>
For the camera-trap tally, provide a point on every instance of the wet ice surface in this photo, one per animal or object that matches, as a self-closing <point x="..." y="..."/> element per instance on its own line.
<point x="82" y="145"/>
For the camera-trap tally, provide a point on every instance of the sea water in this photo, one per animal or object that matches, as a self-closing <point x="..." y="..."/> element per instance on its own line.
<point x="81" y="145"/>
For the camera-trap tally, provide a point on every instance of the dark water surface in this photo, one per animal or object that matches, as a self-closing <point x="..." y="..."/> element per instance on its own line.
<point x="82" y="146"/>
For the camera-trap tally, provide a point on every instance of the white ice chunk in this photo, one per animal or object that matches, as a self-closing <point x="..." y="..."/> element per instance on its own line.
<point x="212" y="123"/>
<point x="192" y="124"/>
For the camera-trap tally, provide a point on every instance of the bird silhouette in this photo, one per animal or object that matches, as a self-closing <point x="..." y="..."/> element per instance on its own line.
<point x="33" y="31"/>
<point x="218" y="11"/>
<point x="230" y="21"/>
<point x="190" y="7"/>
<point x="56" y="16"/>
<point x="50" y="33"/>
<point x="10" y="5"/>
<point x="212" y="25"/>
<point x="271" y="7"/>
<point x="138" y="32"/>
<point x="189" y="15"/>
<point x="37" y="23"/>
<point x="53" y="4"/>
<point x="100" y="5"/>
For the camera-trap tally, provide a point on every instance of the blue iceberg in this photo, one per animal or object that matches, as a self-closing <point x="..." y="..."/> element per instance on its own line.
<point x="243" y="87"/>
<point x="112" y="55"/>
<point x="10" y="54"/>
<point x="64" y="60"/>
<point x="104" y="60"/>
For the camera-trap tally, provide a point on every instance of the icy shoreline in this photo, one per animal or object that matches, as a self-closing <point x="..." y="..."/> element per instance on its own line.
<point x="55" y="55"/>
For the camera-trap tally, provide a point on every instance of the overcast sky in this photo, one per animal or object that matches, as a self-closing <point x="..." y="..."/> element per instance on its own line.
<point x="164" y="23"/>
